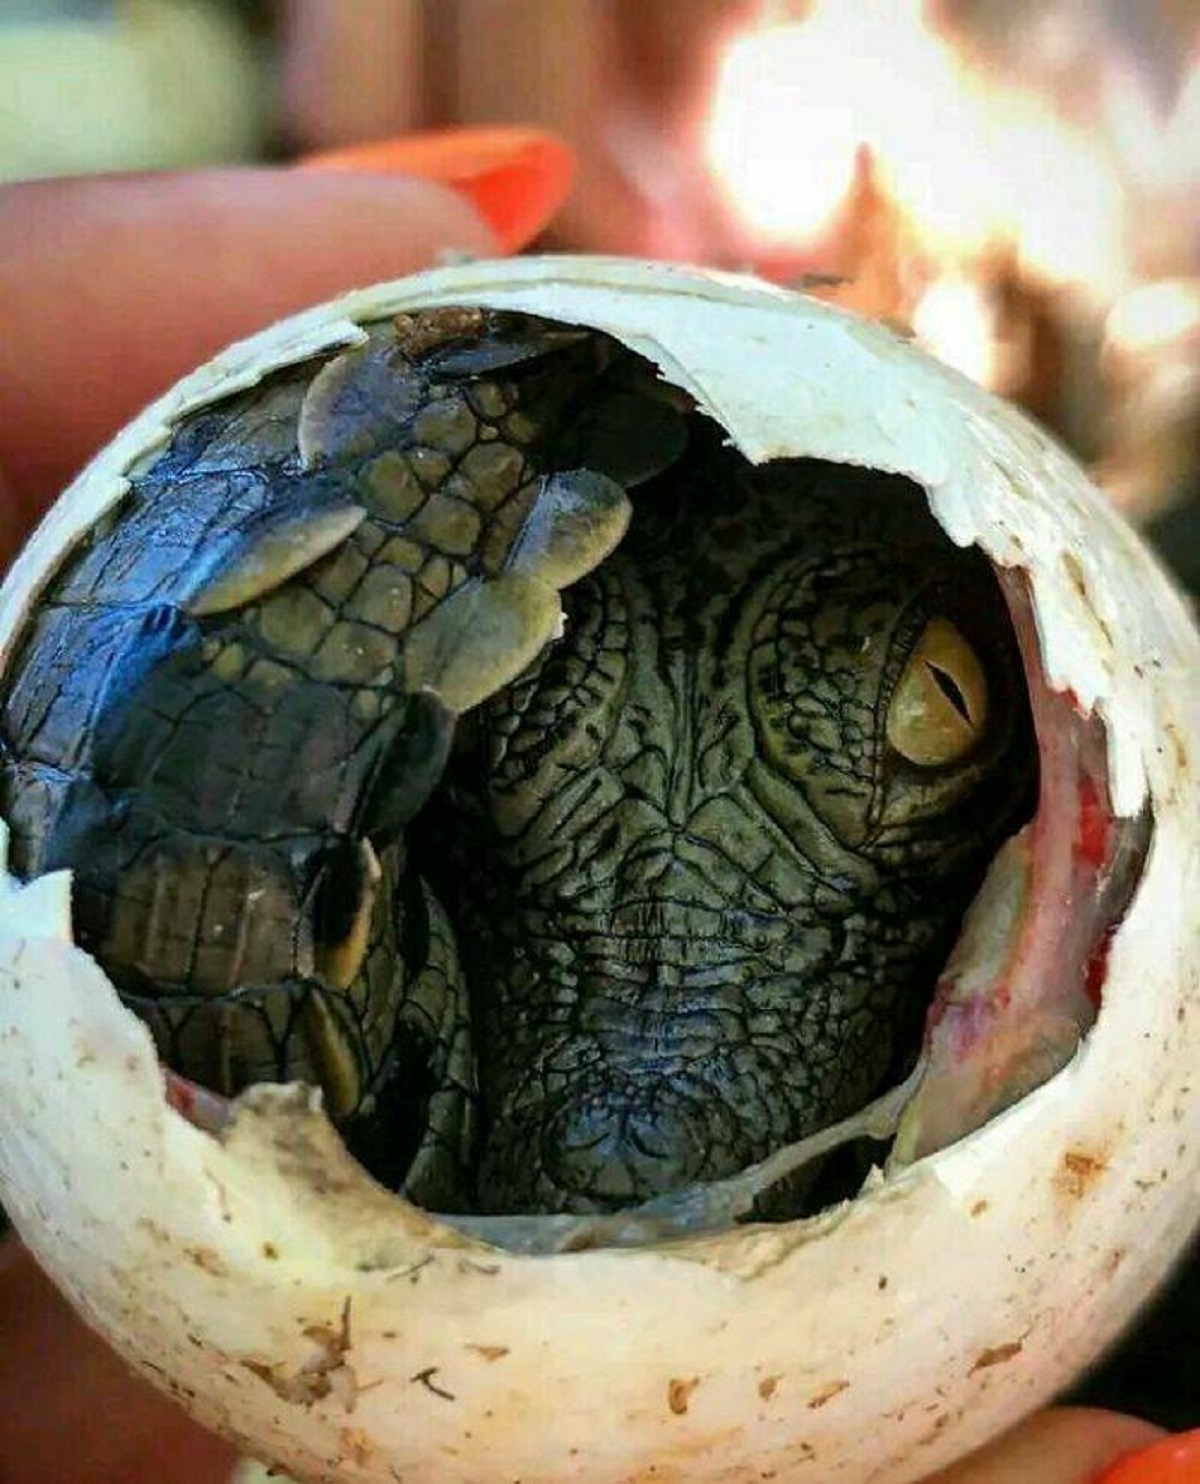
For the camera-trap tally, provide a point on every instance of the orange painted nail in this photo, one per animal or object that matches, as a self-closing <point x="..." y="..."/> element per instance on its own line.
<point x="1174" y="1460"/>
<point x="516" y="178"/>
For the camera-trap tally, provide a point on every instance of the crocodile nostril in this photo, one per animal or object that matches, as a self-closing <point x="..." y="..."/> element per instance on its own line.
<point x="623" y="1146"/>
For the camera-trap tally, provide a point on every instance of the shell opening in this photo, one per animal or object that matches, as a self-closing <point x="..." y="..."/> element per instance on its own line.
<point x="1011" y="1007"/>
<point x="657" y="828"/>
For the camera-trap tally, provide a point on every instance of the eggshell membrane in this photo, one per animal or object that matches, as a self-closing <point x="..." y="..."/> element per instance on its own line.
<point x="329" y="1327"/>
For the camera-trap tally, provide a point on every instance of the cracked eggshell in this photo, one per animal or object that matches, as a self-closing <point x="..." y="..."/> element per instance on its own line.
<point x="327" y="1326"/>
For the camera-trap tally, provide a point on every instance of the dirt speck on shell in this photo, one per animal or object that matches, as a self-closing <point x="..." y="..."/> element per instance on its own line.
<point x="997" y="1355"/>
<point x="679" y="1394"/>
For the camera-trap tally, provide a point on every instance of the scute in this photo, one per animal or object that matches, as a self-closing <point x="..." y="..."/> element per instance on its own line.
<point x="268" y="557"/>
<point x="576" y="521"/>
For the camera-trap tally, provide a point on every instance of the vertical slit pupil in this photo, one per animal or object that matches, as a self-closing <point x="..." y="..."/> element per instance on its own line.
<point x="951" y="689"/>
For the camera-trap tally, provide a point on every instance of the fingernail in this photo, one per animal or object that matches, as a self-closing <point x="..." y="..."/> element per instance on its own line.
<point x="516" y="178"/>
<point x="1174" y="1460"/>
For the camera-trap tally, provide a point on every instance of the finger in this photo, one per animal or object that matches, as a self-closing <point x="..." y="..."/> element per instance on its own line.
<point x="69" y="1409"/>
<point x="1067" y="1445"/>
<point x="1174" y="1460"/>
<point x="518" y="178"/>
<point x="111" y="288"/>
<point x="352" y="72"/>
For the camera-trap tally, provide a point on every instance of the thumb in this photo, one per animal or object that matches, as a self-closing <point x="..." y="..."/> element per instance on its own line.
<point x="1066" y="1445"/>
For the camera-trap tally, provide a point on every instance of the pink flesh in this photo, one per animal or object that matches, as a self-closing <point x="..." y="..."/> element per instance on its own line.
<point x="206" y="1110"/>
<point x="1008" y="1014"/>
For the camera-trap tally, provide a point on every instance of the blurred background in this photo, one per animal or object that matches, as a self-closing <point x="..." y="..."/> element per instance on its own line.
<point x="1016" y="183"/>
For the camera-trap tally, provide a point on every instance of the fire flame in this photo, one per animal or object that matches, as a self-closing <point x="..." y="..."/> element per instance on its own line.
<point x="862" y="142"/>
<point x="970" y="162"/>
<point x="956" y="319"/>
<point x="1154" y="315"/>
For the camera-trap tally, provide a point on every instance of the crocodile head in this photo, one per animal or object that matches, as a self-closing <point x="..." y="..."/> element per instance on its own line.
<point x="707" y="855"/>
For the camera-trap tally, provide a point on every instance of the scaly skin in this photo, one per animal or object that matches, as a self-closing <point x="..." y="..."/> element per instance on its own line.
<point x="227" y="759"/>
<point x="701" y="901"/>
<point x="679" y="902"/>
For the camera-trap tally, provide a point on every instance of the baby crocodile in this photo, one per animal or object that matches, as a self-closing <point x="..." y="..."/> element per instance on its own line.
<point x="675" y="893"/>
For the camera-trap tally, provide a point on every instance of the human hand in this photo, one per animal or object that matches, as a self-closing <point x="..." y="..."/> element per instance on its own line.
<point x="627" y="83"/>
<point x="110" y="289"/>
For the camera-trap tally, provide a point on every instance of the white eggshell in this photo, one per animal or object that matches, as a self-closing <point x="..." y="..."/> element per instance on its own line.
<point x="328" y="1327"/>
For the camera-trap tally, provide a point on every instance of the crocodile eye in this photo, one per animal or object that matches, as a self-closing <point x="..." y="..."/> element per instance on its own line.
<point x="939" y="708"/>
